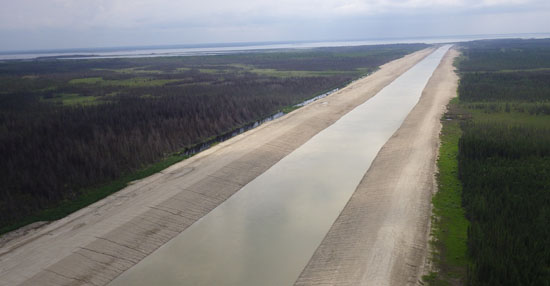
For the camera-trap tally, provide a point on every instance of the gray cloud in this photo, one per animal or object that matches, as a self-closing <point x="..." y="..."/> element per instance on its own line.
<point x="38" y="24"/>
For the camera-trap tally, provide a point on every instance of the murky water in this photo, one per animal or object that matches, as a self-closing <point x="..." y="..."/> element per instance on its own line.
<point x="266" y="233"/>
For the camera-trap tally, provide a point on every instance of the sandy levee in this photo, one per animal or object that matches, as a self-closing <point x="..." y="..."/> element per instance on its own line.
<point x="98" y="243"/>
<point x="381" y="236"/>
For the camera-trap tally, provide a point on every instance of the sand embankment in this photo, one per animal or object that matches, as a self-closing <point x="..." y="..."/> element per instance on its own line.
<point x="96" y="244"/>
<point x="381" y="236"/>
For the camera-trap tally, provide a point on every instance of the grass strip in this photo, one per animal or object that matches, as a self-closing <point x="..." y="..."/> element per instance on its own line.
<point x="449" y="224"/>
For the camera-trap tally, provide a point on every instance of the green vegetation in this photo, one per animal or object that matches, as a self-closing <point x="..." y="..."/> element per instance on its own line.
<point x="131" y="82"/>
<point x="505" y="55"/>
<point x="449" y="224"/>
<point x="504" y="160"/>
<point x="72" y="99"/>
<point x="134" y="70"/>
<point x="505" y="169"/>
<point x="509" y="118"/>
<point x="283" y="74"/>
<point x="68" y="128"/>
<point x="89" y="80"/>
<point x="501" y="87"/>
<point x="100" y="79"/>
<point x="289" y="109"/>
<point x="92" y="195"/>
<point x="498" y="135"/>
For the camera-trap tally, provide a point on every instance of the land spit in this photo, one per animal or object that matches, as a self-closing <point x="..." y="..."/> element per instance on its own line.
<point x="98" y="243"/>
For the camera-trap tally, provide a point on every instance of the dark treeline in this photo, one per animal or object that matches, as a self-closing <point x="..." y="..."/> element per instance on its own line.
<point x="504" y="162"/>
<point x="319" y="59"/>
<point x="140" y="111"/>
<point x="505" y="171"/>
<point x="505" y="86"/>
<point x="342" y="58"/>
<point x="503" y="55"/>
<point x="531" y="108"/>
<point x="50" y="152"/>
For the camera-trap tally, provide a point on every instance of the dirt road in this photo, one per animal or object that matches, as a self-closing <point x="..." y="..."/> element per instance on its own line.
<point x="381" y="236"/>
<point x="96" y="244"/>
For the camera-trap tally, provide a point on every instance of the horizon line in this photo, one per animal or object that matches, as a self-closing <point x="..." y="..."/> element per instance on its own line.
<point x="237" y="44"/>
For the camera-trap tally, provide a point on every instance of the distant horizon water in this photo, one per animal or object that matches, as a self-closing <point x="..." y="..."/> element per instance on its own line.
<point x="227" y="48"/>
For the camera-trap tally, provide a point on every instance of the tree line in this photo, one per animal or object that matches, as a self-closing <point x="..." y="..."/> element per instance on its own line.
<point x="52" y="151"/>
<point x="504" y="162"/>
<point x="505" y="172"/>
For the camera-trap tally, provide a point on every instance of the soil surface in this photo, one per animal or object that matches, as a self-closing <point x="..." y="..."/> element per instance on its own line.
<point x="96" y="244"/>
<point x="381" y="236"/>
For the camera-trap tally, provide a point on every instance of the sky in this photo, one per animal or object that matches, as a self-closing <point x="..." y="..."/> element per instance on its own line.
<point x="63" y="24"/>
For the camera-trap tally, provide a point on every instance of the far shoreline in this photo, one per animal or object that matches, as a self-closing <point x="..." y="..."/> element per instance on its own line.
<point x="207" y="49"/>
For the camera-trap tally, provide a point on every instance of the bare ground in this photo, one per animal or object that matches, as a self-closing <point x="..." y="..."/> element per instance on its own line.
<point x="381" y="236"/>
<point x="96" y="244"/>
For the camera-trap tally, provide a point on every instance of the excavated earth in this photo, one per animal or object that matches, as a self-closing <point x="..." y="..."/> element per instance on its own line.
<point x="381" y="236"/>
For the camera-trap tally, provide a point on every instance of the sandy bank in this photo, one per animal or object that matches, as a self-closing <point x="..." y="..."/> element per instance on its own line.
<point x="380" y="238"/>
<point x="96" y="244"/>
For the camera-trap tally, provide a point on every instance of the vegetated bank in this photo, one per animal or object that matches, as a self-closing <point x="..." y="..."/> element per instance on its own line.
<point x="74" y="131"/>
<point x="449" y="224"/>
<point x="504" y="160"/>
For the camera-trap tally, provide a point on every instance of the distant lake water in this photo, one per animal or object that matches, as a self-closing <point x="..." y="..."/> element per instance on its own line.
<point x="214" y="49"/>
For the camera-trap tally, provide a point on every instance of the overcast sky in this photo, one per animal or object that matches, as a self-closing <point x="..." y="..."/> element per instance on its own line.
<point x="52" y="24"/>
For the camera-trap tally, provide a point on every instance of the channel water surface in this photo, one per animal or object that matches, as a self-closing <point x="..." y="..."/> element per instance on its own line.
<point x="266" y="232"/>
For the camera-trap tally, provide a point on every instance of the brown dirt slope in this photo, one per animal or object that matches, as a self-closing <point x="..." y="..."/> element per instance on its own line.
<point x="381" y="236"/>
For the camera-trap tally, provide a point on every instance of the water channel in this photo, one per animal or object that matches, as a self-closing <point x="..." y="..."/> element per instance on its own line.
<point x="266" y="232"/>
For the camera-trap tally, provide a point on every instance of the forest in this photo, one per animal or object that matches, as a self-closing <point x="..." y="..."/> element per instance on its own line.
<point x="70" y="127"/>
<point x="504" y="160"/>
